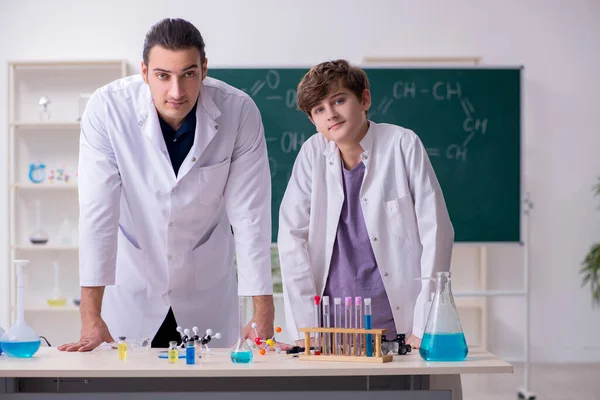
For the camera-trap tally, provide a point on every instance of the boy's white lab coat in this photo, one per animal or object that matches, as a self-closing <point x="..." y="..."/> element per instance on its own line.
<point x="156" y="240"/>
<point x="405" y="215"/>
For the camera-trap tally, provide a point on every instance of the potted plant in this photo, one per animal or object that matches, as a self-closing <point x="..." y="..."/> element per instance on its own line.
<point x="591" y="265"/>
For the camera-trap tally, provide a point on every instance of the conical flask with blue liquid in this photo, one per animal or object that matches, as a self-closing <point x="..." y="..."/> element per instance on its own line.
<point x="241" y="353"/>
<point x="20" y="341"/>
<point x="443" y="339"/>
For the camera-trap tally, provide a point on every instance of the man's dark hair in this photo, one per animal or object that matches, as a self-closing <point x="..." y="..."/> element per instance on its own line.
<point x="173" y="34"/>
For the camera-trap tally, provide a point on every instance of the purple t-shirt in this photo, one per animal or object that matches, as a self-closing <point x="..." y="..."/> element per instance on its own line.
<point x="353" y="270"/>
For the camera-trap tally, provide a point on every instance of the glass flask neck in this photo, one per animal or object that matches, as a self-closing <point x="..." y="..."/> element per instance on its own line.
<point x="241" y="316"/>
<point x="443" y="284"/>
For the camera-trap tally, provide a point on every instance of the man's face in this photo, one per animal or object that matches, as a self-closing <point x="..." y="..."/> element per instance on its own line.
<point x="175" y="78"/>
<point x="341" y="116"/>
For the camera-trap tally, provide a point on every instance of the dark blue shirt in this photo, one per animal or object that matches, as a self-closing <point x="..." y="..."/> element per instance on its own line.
<point x="180" y="142"/>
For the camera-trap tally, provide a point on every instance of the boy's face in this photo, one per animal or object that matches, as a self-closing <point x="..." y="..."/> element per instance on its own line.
<point x="341" y="116"/>
<point x="175" y="78"/>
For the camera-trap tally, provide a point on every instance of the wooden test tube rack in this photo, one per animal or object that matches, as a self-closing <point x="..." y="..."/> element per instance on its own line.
<point x="377" y="356"/>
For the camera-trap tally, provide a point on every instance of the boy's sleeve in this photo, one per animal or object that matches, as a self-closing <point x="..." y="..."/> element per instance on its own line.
<point x="296" y="272"/>
<point x="435" y="229"/>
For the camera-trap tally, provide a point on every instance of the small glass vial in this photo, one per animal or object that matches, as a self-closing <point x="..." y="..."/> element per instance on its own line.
<point x="199" y="348"/>
<point x="173" y="355"/>
<point x="122" y="348"/>
<point x="190" y="353"/>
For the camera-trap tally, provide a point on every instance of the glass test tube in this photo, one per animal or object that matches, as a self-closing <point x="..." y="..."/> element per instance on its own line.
<point x="347" y="325"/>
<point x="326" y="324"/>
<point x="317" y="303"/>
<point x="368" y="325"/>
<point x="337" y="323"/>
<point x="358" y="323"/>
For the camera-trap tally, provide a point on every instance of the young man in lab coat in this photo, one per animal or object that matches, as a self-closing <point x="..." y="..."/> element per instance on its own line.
<point x="363" y="213"/>
<point x="173" y="175"/>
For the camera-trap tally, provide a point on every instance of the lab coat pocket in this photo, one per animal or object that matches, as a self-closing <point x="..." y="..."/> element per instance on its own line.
<point x="131" y="264"/>
<point x="210" y="262"/>
<point x="402" y="221"/>
<point x="212" y="180"/>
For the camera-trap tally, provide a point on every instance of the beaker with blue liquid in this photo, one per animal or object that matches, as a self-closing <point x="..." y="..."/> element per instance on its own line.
<point x="443" y="339"/>
<point x="20" y="341"/>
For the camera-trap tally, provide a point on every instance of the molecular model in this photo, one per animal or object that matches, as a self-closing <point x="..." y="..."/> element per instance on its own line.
<point x="265" y="343"/>
<point x="186" y="336"/>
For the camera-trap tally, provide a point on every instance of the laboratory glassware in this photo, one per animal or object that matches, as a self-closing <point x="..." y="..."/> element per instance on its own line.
<point x="443" y="339"/>
<point x="57" y="298"/>
<point x="39" y="235"/>
<point x="241" y="353"/>
<point x="368" y="325"/>
<point x="20" y="341"/>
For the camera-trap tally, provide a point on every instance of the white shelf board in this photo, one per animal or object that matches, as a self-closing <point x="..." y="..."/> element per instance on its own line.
<point x="46" y="125"/>
<point x="44" y="247"/>
<point x="45" y="186"/>
<point x="40" y="64"/>
<point x="467" y="303"/>
<point x="45" y="308"/>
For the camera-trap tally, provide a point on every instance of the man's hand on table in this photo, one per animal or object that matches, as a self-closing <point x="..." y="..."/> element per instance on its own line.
<point x="93" y="333"/>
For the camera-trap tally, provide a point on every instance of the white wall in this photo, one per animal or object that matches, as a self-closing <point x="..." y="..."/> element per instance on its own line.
<point x="557" y="42"/>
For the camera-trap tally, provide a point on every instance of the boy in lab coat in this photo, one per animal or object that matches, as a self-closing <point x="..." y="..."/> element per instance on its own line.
<point x="363" y="213"/>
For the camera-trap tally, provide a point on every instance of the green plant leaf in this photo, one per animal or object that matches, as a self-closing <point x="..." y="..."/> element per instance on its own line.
<point x="590" y="269"/>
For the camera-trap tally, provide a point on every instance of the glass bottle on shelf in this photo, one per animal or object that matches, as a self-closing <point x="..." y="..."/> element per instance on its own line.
<point x="39" y="235"/>
<point x="65" y="233"/>
<point x="44" y="112"/>
<point x="57" y="299"/>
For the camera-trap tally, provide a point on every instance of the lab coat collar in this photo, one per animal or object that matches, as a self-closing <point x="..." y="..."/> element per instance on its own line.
<point x="206" y="127"/>
<point x="367" y="142"/>
<point x="149" y="109"/>
<point x="331" y="150"/>
<point x="149" y="123"/>
<point x="208" y="103"/>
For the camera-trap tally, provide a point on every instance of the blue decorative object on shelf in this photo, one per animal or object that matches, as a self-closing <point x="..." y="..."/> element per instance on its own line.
<point x="37" y="173"/>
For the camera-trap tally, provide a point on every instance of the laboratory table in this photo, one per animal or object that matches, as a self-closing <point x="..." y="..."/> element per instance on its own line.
<point x="52" y="374"/>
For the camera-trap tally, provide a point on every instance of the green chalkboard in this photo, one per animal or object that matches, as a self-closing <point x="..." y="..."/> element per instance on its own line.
<point x="468" y="119"/>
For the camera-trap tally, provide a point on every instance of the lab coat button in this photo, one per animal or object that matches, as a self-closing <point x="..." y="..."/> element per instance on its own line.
<point x="364" y="199"/>
<point x="386" y="274"/>
<point x="169" y="256"/>
<point x="374" y="238"/>
<point x="173" y="190"/>
<point x="194" y="159"/>
<point x="365" y="157"/>
<point x="169" y="292"/>
<point x="330" y="162"/>
<point x="140" y="123"/>
<point x="216" y="126"/>
<point x="170" y="224"/>
<point x="397" y="307"/>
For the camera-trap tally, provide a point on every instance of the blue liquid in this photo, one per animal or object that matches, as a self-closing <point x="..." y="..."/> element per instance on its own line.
<point x="444" y="347"/>
<point x="20" y="349"/>
<point x="190" y="355"/>
<point x="241" y="357"/>
<point x="369" y="344"/>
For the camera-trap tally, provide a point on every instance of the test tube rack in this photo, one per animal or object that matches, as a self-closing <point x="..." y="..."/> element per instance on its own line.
<point x="377" y="356"/>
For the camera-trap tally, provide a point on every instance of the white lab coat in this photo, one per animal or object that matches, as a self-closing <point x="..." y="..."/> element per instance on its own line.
<point x="405" y="215"/>
<point x="156" y="240"/>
